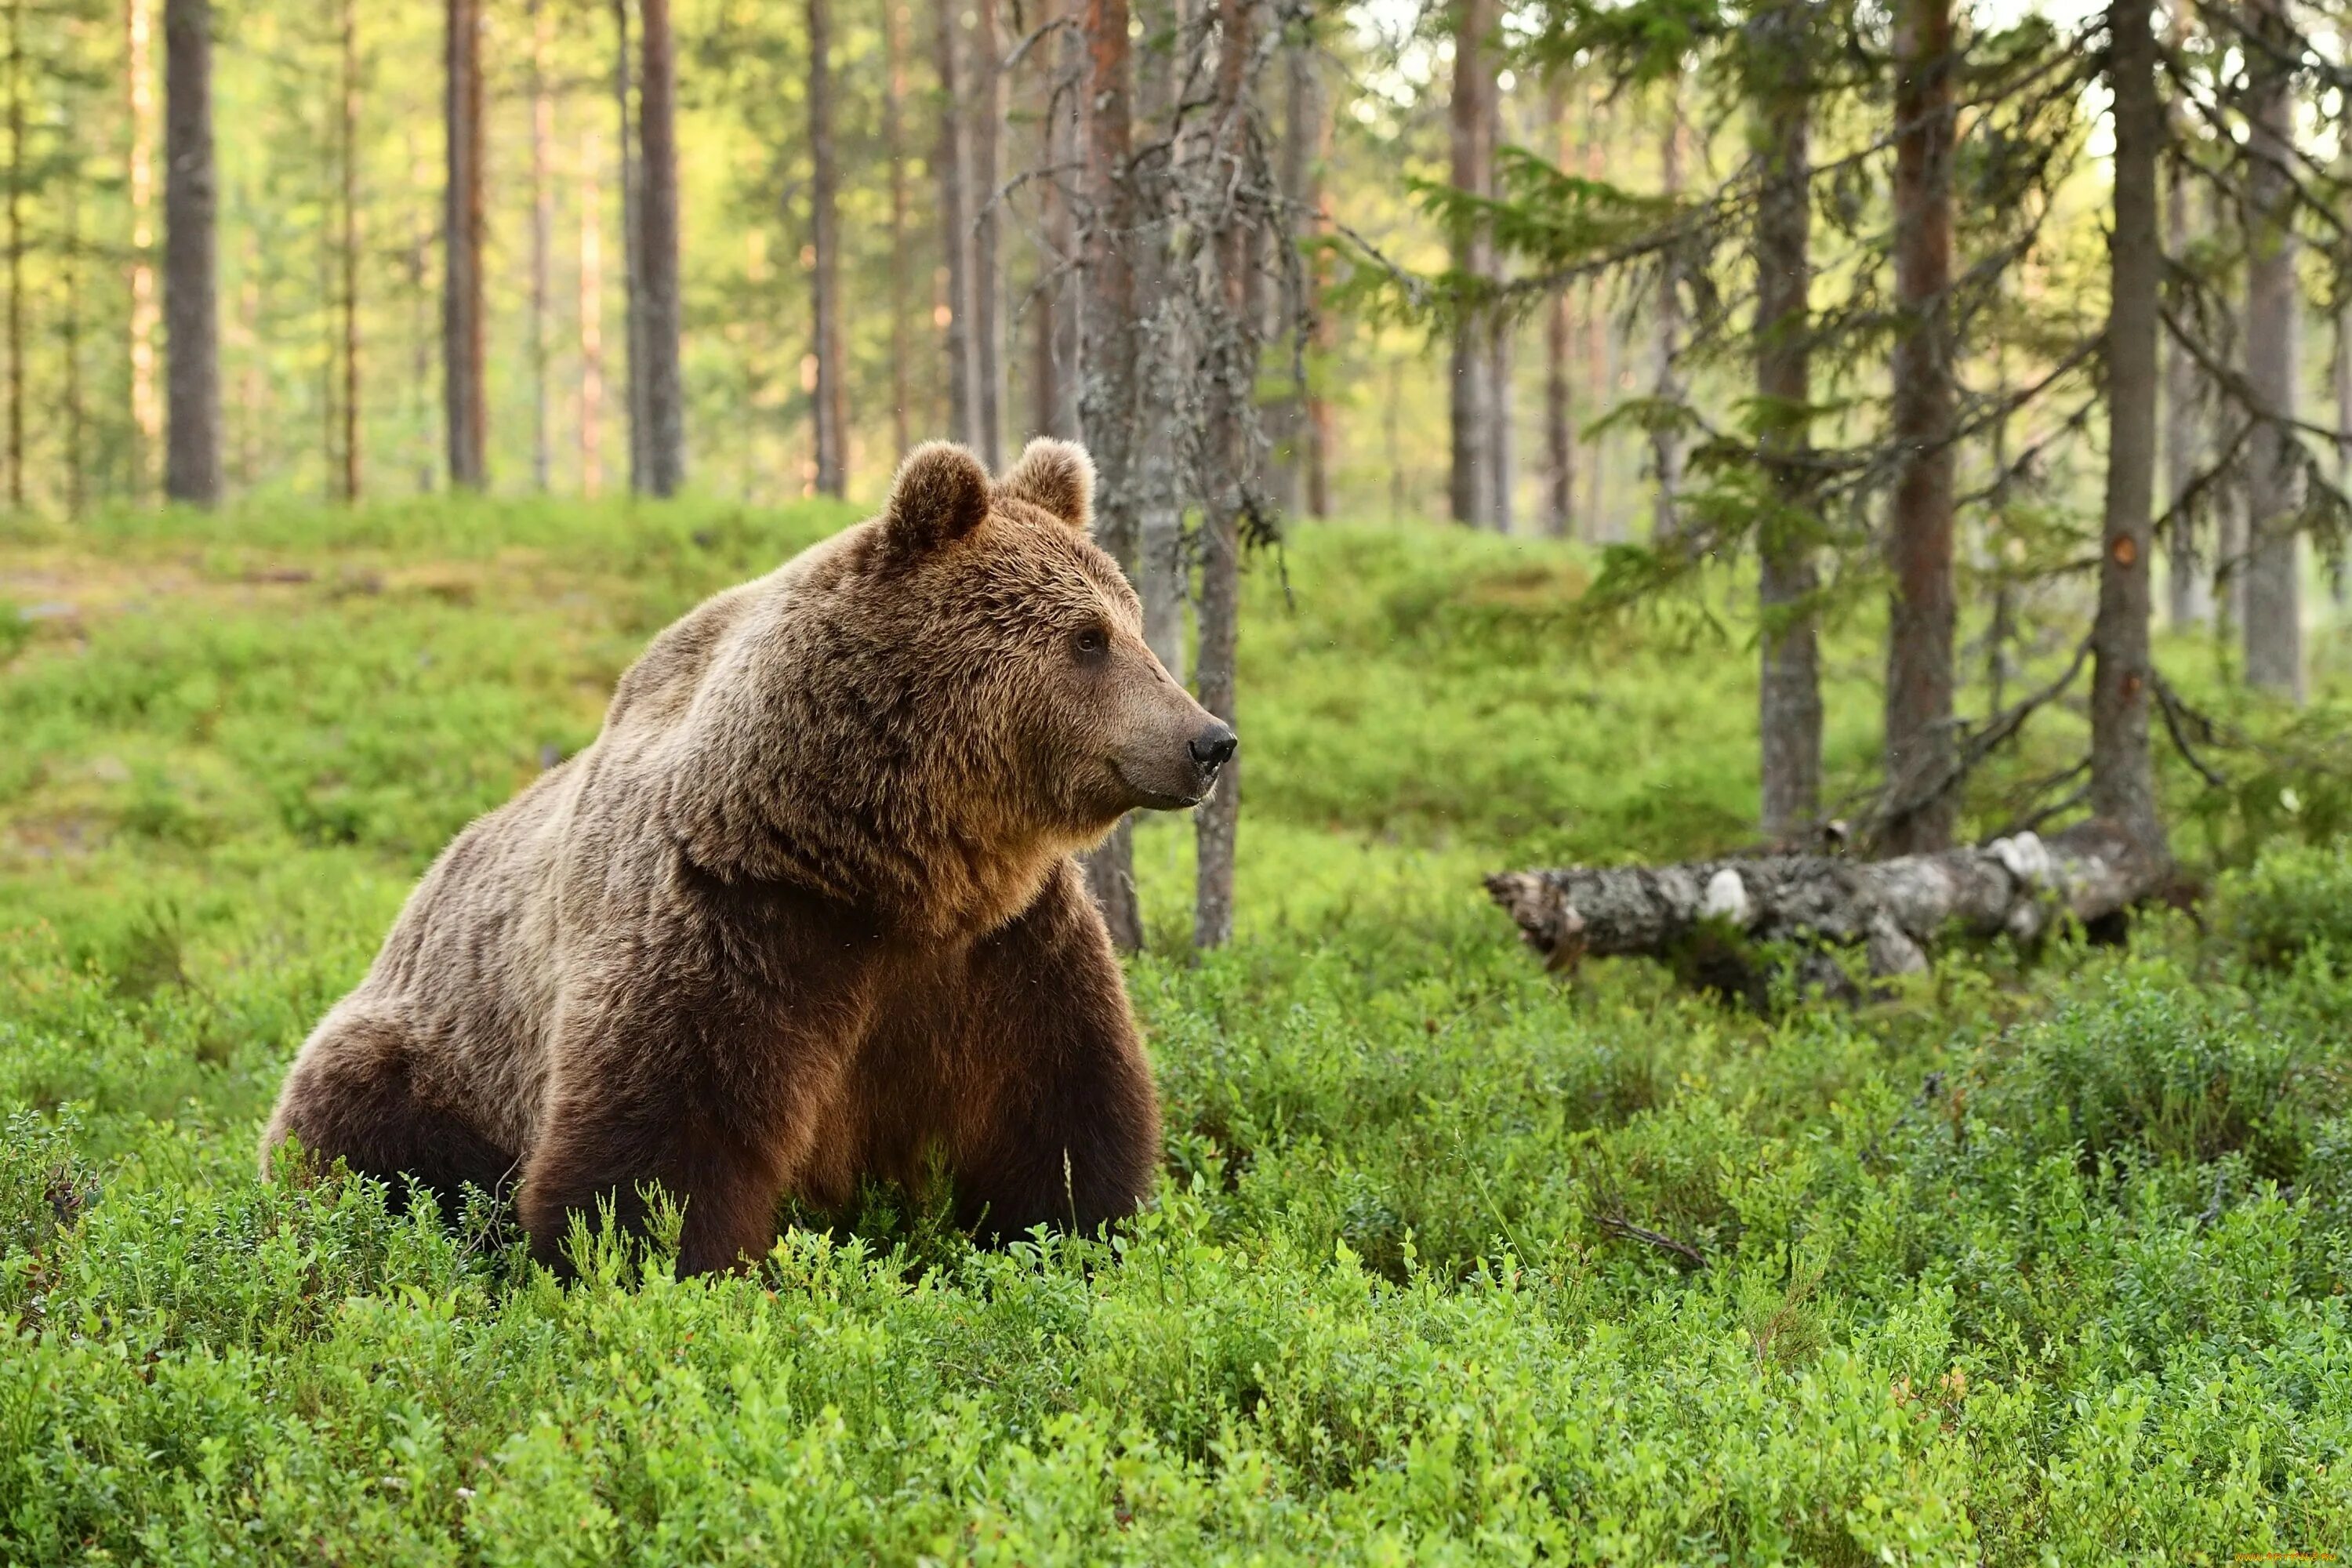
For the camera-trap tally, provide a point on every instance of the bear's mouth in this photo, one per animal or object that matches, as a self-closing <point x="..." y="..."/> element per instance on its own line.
<point x="1146" y="799"/>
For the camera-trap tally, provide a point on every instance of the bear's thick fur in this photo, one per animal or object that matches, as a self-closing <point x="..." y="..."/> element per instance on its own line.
<point x="808" y="908"/>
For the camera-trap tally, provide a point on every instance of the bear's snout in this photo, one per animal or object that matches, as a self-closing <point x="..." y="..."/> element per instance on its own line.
<point x="1211" y="748"/>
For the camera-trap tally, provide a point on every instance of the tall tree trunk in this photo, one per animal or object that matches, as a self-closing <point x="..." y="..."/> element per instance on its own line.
<point x="1560" y="430"/>
<point x="658" y="142"/>
<point x="894" y="152"/>
<point x="1502" y="446"/>
<point x="1109" y="394"/>
<point x="592" y="316"/>
<point x="633" y="250"/>
<point x="192" y="468"/>
<point x="464" y="405"/>
<point x="417" y="402"/>
<point x="542" y="242"/>
<point x="1233" y="373"/>
<point x="1053" y="388"/>
<point x="1920" y="749"/>
<point x="2123" y="772"/>
<point x="2184" y="574"/>
<point x="1665" y="439"/>
<point x="2273" y="584"/>
<point x="350" y="133"/>
<point x="987" y="265"/>
<point x="1471" y="485"/>
<point x="1790" y="696"/>
<point x="146" y="406"/>
<point x="825" y="242"/>
<point x="955" y="232"/>
<point x="18" y="174"/>
<point x="2185" y="579"/>
<point x="70" y="326"/>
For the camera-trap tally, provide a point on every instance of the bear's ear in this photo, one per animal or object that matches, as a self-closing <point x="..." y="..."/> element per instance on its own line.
<point x="1057" y="477"/>
<point x="940" y="495"/>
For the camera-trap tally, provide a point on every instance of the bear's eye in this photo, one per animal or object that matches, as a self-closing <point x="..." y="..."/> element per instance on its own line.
<point x="1090" y="644"/>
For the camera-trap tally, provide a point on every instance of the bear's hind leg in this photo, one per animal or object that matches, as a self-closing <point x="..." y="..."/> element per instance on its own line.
<point x="353" y="1095"/>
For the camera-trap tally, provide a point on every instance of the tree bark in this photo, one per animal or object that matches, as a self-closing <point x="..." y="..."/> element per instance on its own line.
<point x="542" y="241"/>
<point x="1234" y="371"/>
<point x="1471" y="487"/>
<point x="633" y="259"/>
<point x="1790" y="698"/>
<point x="987" y="267"/>
<point x="592" y="316"/>
<point x="2123" y="774"/>
<point x="146" y="406"/>
<point x="17" y="180"/>
<point x="192" y="467"/>
<point x="1919" y="739"/>
<point x="657" y="140"/>
<point x="1894" y="910"/>
<point x="1665" y="439"/>
<point x="955" y="234"/>
<point x="825" y="277"/>
<point x="1111" y="343"/>
<point x="2274" y="622"/>
<point x="894" y="152"/>
<point x="2185" y="577"/>
<point x="464" y="406"/>
<point x="349" y="129"/>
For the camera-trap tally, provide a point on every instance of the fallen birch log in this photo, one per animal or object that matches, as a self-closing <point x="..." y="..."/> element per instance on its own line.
<point x="1893" y="908"/>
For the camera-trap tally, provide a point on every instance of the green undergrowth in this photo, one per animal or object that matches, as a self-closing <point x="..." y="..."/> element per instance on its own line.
<point x="2041" y="1257"/>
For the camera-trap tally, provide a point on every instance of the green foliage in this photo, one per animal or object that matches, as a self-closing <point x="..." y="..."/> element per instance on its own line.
<point x="2020" y="1265"/>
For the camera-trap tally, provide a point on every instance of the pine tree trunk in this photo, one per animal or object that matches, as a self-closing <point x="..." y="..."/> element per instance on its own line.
<point x="1234" y="371"/>
<point x="19" y="177"/>
<point x="894" y="152"/>
<point x="1164" y="568"/>
<point x="824" y="241"/>
<point x="2185" y="581"/>
<point x="1919" y="737"/>
<point x="464" y="405"/>
<point x="592" y="316"/>
<point x="2123" y="775"/>
<point x="2273" y="625"/>
<point x="349" y="130"/>
<point x="987" y="265"/>
<point x="1107" y="396"/>
<point x="955" y="233"/>
<point x="542" y="241"/>
<point x="69" y="336"/>
<point x="1790" y="697"/>
<point x="1502" y="458"/>
<point x="1665" y="440"/>
<point x="657" y="142"/>
<point x="1470" y="487"/>
<point x="146" y="405"/>
<point x="633" y="253"/>
<point x="192" y="467"/>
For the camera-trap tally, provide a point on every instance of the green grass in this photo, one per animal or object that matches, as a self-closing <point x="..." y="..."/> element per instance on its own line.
<point x="2042" y="1259"/>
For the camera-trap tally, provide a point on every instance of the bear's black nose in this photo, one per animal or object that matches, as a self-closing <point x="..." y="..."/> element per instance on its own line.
<point x="1213" y="745"/>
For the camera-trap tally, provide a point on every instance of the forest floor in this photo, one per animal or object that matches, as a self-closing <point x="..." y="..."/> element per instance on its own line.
<point x="2038" y="1258"/>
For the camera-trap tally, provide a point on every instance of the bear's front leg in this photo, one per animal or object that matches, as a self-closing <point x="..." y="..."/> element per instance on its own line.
<point x="597" y="1152"/>
<point x="1068" y="1132"/>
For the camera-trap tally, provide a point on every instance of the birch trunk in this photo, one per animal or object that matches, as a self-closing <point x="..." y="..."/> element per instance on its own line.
<point x="1896" y="910"/>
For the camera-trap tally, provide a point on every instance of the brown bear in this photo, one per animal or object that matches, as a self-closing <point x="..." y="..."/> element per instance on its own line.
<point x="807" y="909"/>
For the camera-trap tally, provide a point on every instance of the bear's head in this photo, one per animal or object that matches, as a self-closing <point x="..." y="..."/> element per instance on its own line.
<point x="1024" y="646"/>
